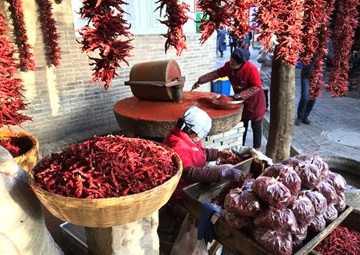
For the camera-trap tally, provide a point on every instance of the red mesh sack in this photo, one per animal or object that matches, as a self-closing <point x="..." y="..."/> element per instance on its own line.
<point x="318" y="200"/>
<point x="276" y="242"/>
<point x="310" y="176"/>
<point x="301" y="233"/>
<point x="244" y="203"/>
<point x="272" y="192"/>
<point x="337" y="181"/>
<point x="236" y="221"/>
<point x="341" y="204"/>
<point x="286" y="175"/>
<point x="328" y="192"/>
<point x="323" y="166"/>
<point x="303" y="210"/>
<point x="331" y="213"/>
<point x="297" y="245"/>
<point x="318" y="224"/>
<point x="282" y="220"/>
<point x="248" y="184"/>
<point x="305" y="158"/>
<point x="297" y="164"/>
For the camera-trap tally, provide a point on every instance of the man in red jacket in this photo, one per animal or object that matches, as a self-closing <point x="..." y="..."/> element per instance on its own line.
<point x="185" y="140"/>
<point x="245" y="80"/>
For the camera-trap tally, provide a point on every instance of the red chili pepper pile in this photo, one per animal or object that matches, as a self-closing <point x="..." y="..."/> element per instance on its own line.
<point x="11" y="98"/>
<point x="340" y="241"/>
<point x="26" y="57"/>
<point x="176" y="15"/>
<point x="51" y="36"/>
<point x="10" y="145"/>
<point x="285" y="18"/>
<point x="345" y="24"/>
<point x="215" y="13"/>
<point x="106" y="35"/>
<point x="104" y="167"/>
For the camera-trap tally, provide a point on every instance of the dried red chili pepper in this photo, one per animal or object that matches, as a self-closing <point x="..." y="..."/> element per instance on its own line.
<point x="104" y="167"/>
<point x="108" y="27"/>
<point x="26" y="57"/>
<point x="11" y="88"/>
<point x="51" y="36"/>
<point x="345" y="23"/>
<point x="215" y="13"/>
<point x="240" y="14"/>
<point x="176" y="14"/>
<point x="10" y="145"/>
<point x="340" y="241"/>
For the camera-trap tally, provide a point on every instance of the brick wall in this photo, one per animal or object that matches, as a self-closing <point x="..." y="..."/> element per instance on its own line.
<point x="61" y="101"/>
<point x="226" y="140"/>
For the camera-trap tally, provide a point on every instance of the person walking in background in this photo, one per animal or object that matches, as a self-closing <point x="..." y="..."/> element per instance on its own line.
<point x="233" y="41"/>
<point x="305" y="104"/>
<point x="221" y="40"/>
<point x="265" y="58"/>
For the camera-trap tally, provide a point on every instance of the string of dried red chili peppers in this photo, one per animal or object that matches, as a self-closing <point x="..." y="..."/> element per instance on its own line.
<point x="215" y="13"/>
<point x="11" y="98"/>
<point x="340" y="241"/>
<point x="317" y="76"/>
<point x="284" y="18"/>
<point x="313" y="17"/>
<point x="106" y="35"/>
<point x="26" y="57"/>
<point x="104" y="167"/>
<point x="176" y="14"/>
<point x="240" y="14"/>
<point x="345" y="24"/>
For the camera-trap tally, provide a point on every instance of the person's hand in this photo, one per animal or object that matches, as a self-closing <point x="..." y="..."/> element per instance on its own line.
<point x="224" y="154"/>
<point x="231" y="174"/>
<point x="237" y="97"/>
<point x="195" y="86"/>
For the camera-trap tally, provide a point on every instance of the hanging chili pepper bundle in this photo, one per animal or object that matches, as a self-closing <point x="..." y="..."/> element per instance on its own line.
<point x="283" y="18"/>
<point x="240" y="14"/>
<point x="176" y="15"/>
<point x="107" y="35"/>
<point x="215" y="13"/>
<point x="345" y="24"/>
<point x="340" y="241"/>
<point x="104" y="167"/>
<point x="11" y="98"/>
<point x="313" y="17"/>
<point x="26" y="57"/>
<point x="51" y="36"/>
<point x="316" y="78"/>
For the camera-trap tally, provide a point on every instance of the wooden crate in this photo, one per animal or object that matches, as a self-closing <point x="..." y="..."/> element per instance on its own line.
<point x="237" y="241"/>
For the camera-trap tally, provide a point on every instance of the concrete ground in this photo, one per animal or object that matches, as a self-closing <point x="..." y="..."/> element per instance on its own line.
<point x="335" y="123"/>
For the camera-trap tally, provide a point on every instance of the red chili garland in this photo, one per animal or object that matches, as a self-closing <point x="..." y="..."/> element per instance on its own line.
<point x="285" y="18"/>
<point x="26" y="57"/>
<point x="51" y="36"/>
<point x="176" y="15"/>
<point x="11" y="98"/>
<point x="340" y="241"/>
<point x="215" y="13"/>
<point x="317" y="77"/>
<point x="105" y="167"/>
<point x="240" y="14"/>
<point x="314" y="16"/>
<point x="344" y="29"/>
<point x="108" y="27"/>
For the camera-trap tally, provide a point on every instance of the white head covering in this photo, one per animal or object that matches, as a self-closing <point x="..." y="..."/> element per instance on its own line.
<point x="198" y="121"/>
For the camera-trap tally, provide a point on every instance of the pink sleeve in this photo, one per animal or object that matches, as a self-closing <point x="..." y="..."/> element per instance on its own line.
<point x="208" y="77"/>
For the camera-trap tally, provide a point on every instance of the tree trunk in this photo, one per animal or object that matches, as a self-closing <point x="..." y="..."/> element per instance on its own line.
<point x="282" y="113"/>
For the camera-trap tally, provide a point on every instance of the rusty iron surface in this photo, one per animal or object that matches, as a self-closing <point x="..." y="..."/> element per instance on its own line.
<point x="156" y="119"/>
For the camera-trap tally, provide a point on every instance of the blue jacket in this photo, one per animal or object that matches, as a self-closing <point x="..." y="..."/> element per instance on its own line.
<point x="221" y="40"/>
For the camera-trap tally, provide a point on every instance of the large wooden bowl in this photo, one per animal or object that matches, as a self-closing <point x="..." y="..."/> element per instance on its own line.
<point x="28" y="144"/>
<point x="106" y="212"/>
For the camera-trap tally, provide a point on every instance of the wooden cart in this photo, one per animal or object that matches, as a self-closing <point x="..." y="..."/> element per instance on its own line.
<point x="240" y="242"/>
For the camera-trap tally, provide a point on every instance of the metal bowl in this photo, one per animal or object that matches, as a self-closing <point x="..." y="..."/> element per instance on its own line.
<point x="218" y="104"/>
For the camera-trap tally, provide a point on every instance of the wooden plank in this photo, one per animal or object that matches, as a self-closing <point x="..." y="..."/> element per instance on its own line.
<point x="308" y="247"/>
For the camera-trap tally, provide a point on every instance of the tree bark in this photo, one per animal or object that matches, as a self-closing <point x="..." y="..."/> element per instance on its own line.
<point x="282" y="113"/>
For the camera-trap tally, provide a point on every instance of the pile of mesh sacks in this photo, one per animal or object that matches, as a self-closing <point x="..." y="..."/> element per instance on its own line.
<point x="287" y="201"/>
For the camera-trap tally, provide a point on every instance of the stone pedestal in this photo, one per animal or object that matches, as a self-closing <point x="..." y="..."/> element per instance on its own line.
<point x="135" y="238"/>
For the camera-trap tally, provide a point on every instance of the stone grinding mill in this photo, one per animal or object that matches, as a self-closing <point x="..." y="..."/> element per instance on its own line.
<point x="159" y="101"/>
